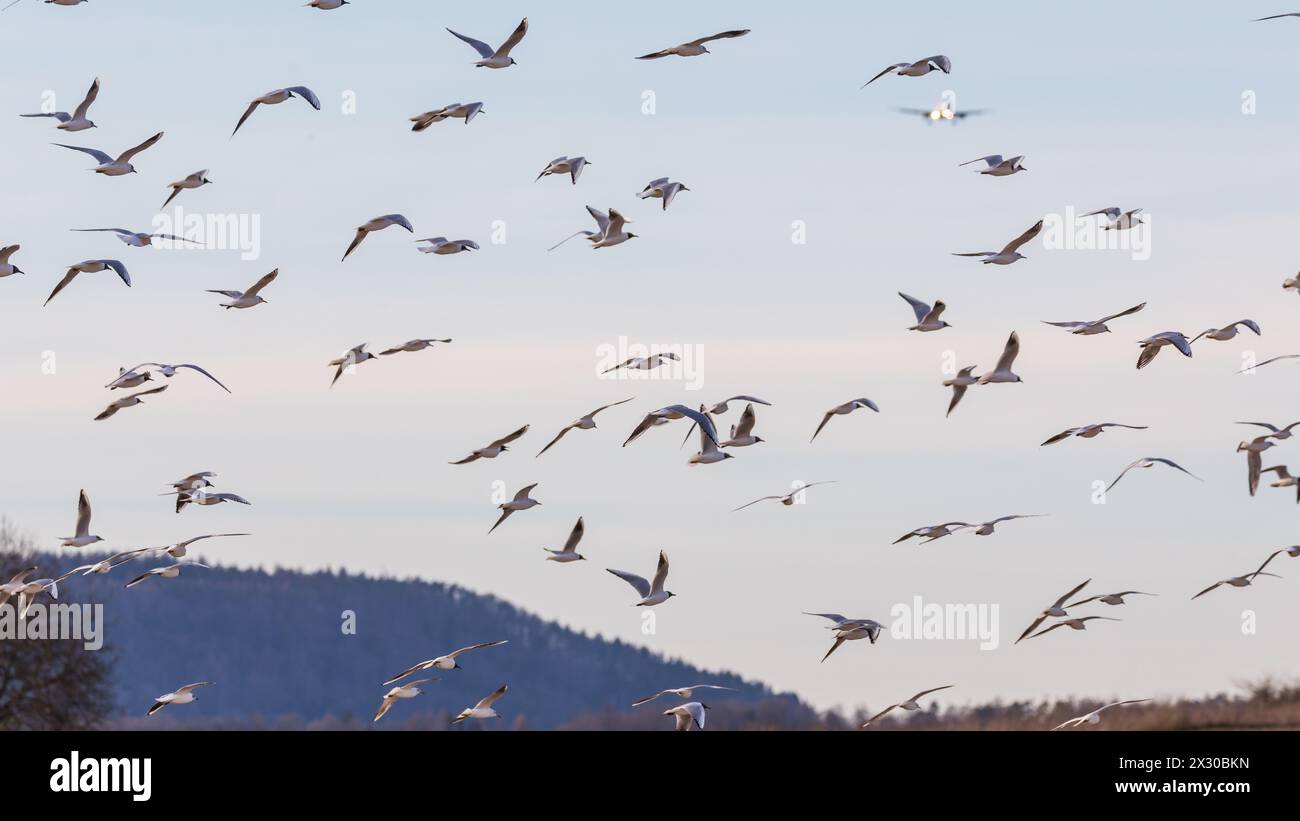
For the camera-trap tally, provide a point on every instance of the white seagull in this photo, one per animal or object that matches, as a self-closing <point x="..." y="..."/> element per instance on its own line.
<point x="1254" y="461"/>
<point x="1055" y="610"/>
<point x="565" y="165"/>
<point x="445" y="247"/>
<point x="500" y="57"/>
<point x="520" y="502"/>
<point x="205" y="498"/>
<point x="128" y="401"/>
<point x="995" y="166"/>
<point x="680" y="692"/>
<point x="183" y="695"/>
<point x="931" y="532"/>
<point x="91" y="266"/>
<point x="1117" y="220"/>
<point x="643" y="363"/>
<point x="354" y="356"/>
<point x="7" y="268"/>
<point x="130" y="378"/>
<point x="171" y="571"/>
<point x="742" y="433"/>
<point x="1113" y="599"/>
<point x="787" y="499"/>
<point x="483" y="709"/>
<point x="180" y="549"/>
<point x="409" y="690"/>
<point x="662" y="189"/>
<point x="137" y="239"/>
<point x="1224" y="334"/>
<point x="569" y="553"/>
<point x="909" y="704"/>
<point x="196" y="180"/>
<point x="1276" y="432"/>
<point x="77" y="120"/>
<point x="927" y="317"/>
<point x="1010" y="252"/>
<point x="447" y="662"/>
<point x="1073" y="624"/>
<point x="1246" y="579"/>
<point x="587" y="422"/>
<point x="987" y="528"/>
<point x="461" y="111"/>
<point x="709" y="452"/>
<point x="249" y="298"/>
<point x="651" y="593"/>
<point x="110" y="167"/>
<point x="920" y="68"/>
<point x="1284" y="479"/>
<point x="1152" y="344"/>
<point x="493" y="450"/>
<point x="1095" y="716"/>
<point x="688" y="715"/>
<point x="275" y="98"/>
<point x="413" y="346"/>
<point x="1002" y="370"/>
<point x="694" y="48"/>
<point x="959" y="383"/>
<point x="1096" y="326"/>
<point x="1089" y="431"/>
<point x="657" y="417"/>
<point x="377" y="224"/>
<point x="841" y="410"/>
<point x="611" y="228"/>
<point x="1149" y="461"/>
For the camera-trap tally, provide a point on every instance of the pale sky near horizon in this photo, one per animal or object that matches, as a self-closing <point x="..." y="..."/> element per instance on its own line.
<point x="1112" y="104"/>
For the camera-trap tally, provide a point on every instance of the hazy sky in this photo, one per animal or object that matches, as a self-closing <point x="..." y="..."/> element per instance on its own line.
<point x="1112" y="103"/>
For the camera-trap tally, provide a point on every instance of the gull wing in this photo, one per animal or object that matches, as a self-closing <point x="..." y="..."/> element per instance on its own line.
<point x="1132" y="310"/>
<point x="746" y="424"/>
<point x="990" y="161"/>
<point x="661" y="574"/>
<point x="921" y="309"/>
<point x="484" y="50"/>
<point x="261" y="283"/>
<point x="94" y="152"/>
<point x="1023" y="238"/>
<point x="722" y="35"/>
<point x="523" y="494"/>
<point x="1009" y="353"/>
<point x="512" y="40"/>
<point x="509" y="437"/>
<point x="131" y="152"/>
<point x="248" y="112"/>
<point x="883" y="72"/>
<point x="307" y="94"/>
<point x="205" y="373"/>
<point x="89" y="98"/>
<point x="575" y="536"/>
<point x="642" y="586"/>
<point x="83" y="515"/>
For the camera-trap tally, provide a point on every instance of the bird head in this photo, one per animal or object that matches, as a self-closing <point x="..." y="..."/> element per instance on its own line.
<point x="943" y="324"/>
<point x="18" y="270"/>
<point x="512" y="61"/>
<point x="581" y="557"/>
<point x="632" y="236"/>
<point x="759" y="439"/>
<point x="670" y="594"/>
<point x="705" y="50"/>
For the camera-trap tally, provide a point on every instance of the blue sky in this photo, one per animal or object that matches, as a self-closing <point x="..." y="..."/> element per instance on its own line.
<point x="1112" y="104"/>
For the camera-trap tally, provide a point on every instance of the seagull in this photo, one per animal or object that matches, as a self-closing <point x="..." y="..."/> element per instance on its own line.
<point x="1112" y="599"/>
<point x="662" y="189"/>
<point x="129" y="378"/>
<point x="500" y="58"/>
<point x="443" y="246"/>
<point x="1072" y="623"/>
<point x="565" y="165"/>
<point x="1224" y="334"/>
<point x="611" y="228"/>
<point x="709" y="452"/>
<point x="520" y="502"/>
<point x="1090" y="431"/>
<point x="1056" y="610"/>
<point x="742" y="434"/>
<point x="987" y="528"/>
<point x="1293" y="551"/>
<point x="493" y="450"/>
<point x="76" y="121"/>
<point x="463" y="111"/>
<point x="1277" y="16"/>
<point x="355" y="356"/>
<point x="377" y="224"/>
<point x="409" y="690"/>
<point x="204" y="498"/>
<point x="169" y="572"/>
<point x="1009" y="252"/>
<point x="681" y="692"/>
<point x="587" y="422"/>
<point x="959" y="383"/>
<point x="194" y="480"/>
<point x="180" y="549"/>
<point x="1267" y="361"/>
<point x="909" y="704"/>
<point x="275" y="98"/>
<point x="128" y="401"/>
<point x="447" y="662"/>
<point x="6" y="267"/>
<point x="90" y="266"/>
<point x="688" y="715"/>
<point x="1245" y="580"/>
<point x="110" y="167"/>
<point x="651" y="593"/>
<point x="927" y="318"/>
<point x="1095" y="716"/>
<point x="27" y="592"/>
<point x="841" y="410"/>
<point x="1291" y="284"/>
<point x="15" y="585"/>
<point x="1284" y="479"/>
<point x="137" y="239"/>
<point x="918" y="69"/>
<point x="995" y="166"/>
<point x="695" y="47"/>
<point x="1117" y="220"/>
<point x="196" y="180"/>
<point x="1152" y="345"/>
<point x="102" y="566"/>
<point x="1276" y="433"/>
<point x="183" y="695"/>
<point x="644" y="363"/>
<point x="1096" y="326"/>
<point x="851" y="630"/>
<point x="1253" y="449"/>
<point x="569" y="553"/>
<point x="1002" y="371"/>
<point x="1149" y="461"/>
<point x="932" y="532"/>
<point x="669" y="412"/>
<point x="787" y="499"/>
<point x="413" y="346"/>
<point x="328" y="5"/>
<point x="483" y="709"/>
<point x="249" y="298"/>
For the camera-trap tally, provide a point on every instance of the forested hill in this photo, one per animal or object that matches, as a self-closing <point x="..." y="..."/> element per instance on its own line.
<point x="273" y="644"/>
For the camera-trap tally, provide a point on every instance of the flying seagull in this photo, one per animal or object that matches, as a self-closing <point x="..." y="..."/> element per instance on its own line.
<point x="1089" y="431"/>
<point x="742" y="433"/>
<point x="1243" y="580"/>
<point x="194" y="480"/>
<point x="7" y="268"/>
<point x="171" y="571"/>
<point x="377" y="224"/>
<point x="275" y="98"/>
<point x="842" y="410"/>
<point x="587" y="422"/>
<point x="409" y="690"/>
<point x="354" y="356"/>
<point x="110" y="167"/>
<point x="787" y="499"/>
<point x="690" y="714"/>
<point x="1277" y="16"/>
<point x="492" y="450"/>
<point x="180" y="549"/>
<point x="1276" y="432"/>
<point x="128" y="401"/>
<point x="129" y="378"/>
<point x="1152" y="344"/>
<point x="461" y="111"/>
<point x="565" y="165"/>
<point x="1055" y="610"/>
<point x="249" y="298"/>
<point x="183" y="695"/>
<point x="695" y="47"/>
<point x="196" y="180"/>
<point x="204" y="498"/>
<point x="82" y="535"/>
<point x="520" y="502"/>
<point x="569" y="553"/>
<point x="681" y="692"/>
<point x="675" y="412"/>
<point x="447" y="662"/>
<point x="445" y="247"/>
<point x="651" y="593"/>
<point x="1149" y="461"/>
<point x="413" y="346"/>
<point x="850" y="630"/>
<point x="932" y="532"/>
<point x="1251" y="368"/>
<point x="90" y="266"/>
<point x="995" y="166"/>
<point x="1095" y="716"/>
<point x="1010" y="252"/>
<point x="709" y="452"/>
<point x="1117" y="220"/>
<point x="1284" y="479"/>
<point x="137" y="239"/>
<point x="909" y="704"/>
<point x="1096" y="326"/>
<point x="662" y="189"/>
<point x="927" y="317"/>
<point x="920" y="68"/>
<point x="500" y="57"/>
<point x="1113" y="599"/>
<point x="1226" y="333"/>
<point x="1254" y="460"/>
<point x="987" y="528"/>
<point x="602" y="224"/>
<point x="1002" y="370"/>
<point x="959" y="383"/>
<point x="643" y="363"/>
<point x="77" y="120"/>
<point x="484" y="708"/>
<point x="1073" y="624"/>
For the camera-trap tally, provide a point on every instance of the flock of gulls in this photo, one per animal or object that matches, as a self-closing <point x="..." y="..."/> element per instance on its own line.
<point x="611" y="230"/>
